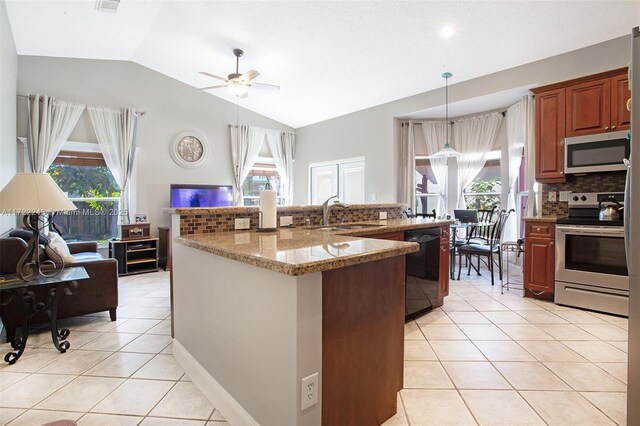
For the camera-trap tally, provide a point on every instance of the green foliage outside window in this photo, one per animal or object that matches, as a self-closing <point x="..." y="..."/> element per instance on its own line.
<point x="485" y="201"/>
<point x="85" y="182"/>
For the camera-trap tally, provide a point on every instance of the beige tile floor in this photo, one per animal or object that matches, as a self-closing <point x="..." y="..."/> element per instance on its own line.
<point x="483" y="358"/>
<point x="115" y="373"/>
<point x="491" y="359"/>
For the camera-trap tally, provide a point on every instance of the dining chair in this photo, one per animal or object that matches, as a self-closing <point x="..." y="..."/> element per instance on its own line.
<point x="488" y="250"/>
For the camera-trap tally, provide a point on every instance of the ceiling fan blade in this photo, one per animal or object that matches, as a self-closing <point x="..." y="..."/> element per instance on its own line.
<point x="213" y="76"/>
<point x="264" y="86"/>
<point x="213" y="87"/>
<point x="249" y="75"/>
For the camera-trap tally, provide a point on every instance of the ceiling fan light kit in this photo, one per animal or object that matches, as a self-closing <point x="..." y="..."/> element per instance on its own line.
<point x="238" y="84"/>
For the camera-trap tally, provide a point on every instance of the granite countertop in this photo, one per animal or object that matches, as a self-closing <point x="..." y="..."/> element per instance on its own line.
<point x="545" y="218"/>
<point x="299" y="251"/>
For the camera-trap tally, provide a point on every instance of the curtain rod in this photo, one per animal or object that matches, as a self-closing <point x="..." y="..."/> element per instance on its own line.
<point x="138" y="113"/>
<point x="503" y="113"/>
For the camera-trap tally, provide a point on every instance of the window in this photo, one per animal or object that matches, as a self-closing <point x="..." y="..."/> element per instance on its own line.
<point x="484" y="192"/>
<point x="522" y="196"/>
<point x="344" y="178"/>
<point x="87" y="181"/>
<point x="263" y="172"/>
<point x="428" y="192"/>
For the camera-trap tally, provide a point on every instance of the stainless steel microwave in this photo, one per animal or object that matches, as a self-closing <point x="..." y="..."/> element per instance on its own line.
<point x="602" y="152"/>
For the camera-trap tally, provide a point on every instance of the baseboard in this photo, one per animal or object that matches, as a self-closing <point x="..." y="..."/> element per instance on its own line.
<point x="221" y="399"/>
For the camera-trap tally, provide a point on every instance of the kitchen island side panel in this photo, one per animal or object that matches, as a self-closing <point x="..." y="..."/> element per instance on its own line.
<point x="255" y="331"/>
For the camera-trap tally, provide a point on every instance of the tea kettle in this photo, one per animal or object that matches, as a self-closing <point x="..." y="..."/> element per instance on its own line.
<point x="609" y="212"/>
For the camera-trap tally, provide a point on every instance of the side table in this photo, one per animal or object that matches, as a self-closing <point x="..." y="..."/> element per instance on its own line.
<point x="508" y="247"/>
<point x="66" y="282"/>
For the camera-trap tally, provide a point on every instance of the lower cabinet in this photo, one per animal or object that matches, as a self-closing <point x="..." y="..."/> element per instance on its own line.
<point x="539" y="260"/>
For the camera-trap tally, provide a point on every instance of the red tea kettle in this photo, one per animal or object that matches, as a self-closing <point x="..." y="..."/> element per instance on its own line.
<point x="609" y="212"/>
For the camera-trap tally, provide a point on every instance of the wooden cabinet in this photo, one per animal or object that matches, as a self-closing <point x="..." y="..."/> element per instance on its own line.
<point x="539" y="260"/>
<point x="394" y="236"/>
<point x="550" y="134"/>
<point x="583" y="106"/>
<point x="589" y="108"/>
<point x="135" y="256"/>
<point x="620" y="115"/>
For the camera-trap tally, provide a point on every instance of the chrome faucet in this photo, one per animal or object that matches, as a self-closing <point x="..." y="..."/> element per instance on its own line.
<point x="326" y="209"/>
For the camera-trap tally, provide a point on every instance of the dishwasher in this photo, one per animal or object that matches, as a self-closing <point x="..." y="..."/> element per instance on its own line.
<point x="422" y="272"/>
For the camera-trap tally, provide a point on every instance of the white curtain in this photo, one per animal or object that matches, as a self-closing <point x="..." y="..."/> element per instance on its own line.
<point x="281" y="145"/>
<point x="246" y="142"/>
<point x="408" y="167"/>
<point x="50" y="124"/>
<point x="434" y="137"/>
<point x="116" y="133"/>
<point x="528" y="106"/>
<point x="473" y="138"/>
<point x="516" y="118"/>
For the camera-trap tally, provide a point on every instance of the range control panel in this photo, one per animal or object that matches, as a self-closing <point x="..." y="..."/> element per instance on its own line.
<point x="591" y="199"/>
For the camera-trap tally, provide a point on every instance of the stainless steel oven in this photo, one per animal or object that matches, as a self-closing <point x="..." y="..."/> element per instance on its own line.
<point x="603" y="152"/>
<point x="591" y="268"/>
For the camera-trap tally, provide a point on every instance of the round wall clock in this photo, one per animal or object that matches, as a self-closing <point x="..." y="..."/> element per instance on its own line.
<point x="189" y="150"/>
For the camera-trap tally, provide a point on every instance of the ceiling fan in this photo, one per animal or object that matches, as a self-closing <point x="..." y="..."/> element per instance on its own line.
<point x="238" y="84"/>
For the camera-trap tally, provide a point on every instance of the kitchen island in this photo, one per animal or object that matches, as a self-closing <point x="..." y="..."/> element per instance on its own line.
<point x="256" y="313"/>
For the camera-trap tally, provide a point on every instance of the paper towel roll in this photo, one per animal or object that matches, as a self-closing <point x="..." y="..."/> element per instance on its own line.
<point x="267" y="215"/>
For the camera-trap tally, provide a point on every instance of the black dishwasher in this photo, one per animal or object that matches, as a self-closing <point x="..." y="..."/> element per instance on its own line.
<point x="423" y="272"/>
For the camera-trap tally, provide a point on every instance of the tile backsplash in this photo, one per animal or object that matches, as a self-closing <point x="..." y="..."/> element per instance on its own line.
<point x="594" y="182"/>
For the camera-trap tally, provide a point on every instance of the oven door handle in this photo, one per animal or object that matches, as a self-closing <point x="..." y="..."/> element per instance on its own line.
<point x="597" y="232"/>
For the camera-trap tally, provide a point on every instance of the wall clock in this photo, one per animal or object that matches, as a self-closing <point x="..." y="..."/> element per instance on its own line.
<point x="189" y="150"/>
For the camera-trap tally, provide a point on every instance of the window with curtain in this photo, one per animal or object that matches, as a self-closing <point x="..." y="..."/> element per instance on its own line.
<point x="522" y="196"/>
<point x="428" y="192"/>
<point x="484" y="192"/>
<point x="263" y="171"/>
<point x="87" y="181"/>
<point x="344" y="178"/>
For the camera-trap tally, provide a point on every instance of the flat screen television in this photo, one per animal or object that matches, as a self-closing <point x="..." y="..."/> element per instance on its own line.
<point x="201" y="195"/>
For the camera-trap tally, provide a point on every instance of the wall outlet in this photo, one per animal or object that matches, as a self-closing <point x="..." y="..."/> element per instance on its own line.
<point x="564" y="195"/>
<point x="553" y="195"/>
<point x="286" y="220"/>
<point x="309" y="392"/>
<point x="383" y="215"/>
<point x="243" y="223"/>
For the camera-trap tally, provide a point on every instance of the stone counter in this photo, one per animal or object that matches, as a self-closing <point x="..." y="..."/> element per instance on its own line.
<point x="300" y="251"/>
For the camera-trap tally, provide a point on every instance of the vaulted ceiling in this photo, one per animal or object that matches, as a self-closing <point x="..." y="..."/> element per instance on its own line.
<point x="330" y="58"/>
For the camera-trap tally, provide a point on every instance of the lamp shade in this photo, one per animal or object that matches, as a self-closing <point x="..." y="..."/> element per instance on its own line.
<point x="445" y="152"/>
<point x="33" y="193"/>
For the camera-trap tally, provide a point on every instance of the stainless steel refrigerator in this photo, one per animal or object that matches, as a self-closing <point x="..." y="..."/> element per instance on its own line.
<point x="632" y="236"/>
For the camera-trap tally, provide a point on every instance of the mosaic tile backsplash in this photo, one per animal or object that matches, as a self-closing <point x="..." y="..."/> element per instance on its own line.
<point x="595" y="182"/>
<point x="223" y="219"/>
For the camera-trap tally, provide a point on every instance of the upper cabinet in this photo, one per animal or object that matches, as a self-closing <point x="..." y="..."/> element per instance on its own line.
<point x="587" y="105"/>
<point x="589" y="108"/>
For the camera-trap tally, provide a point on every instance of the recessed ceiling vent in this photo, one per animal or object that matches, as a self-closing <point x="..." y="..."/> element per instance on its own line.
<point x="107" y="6"/>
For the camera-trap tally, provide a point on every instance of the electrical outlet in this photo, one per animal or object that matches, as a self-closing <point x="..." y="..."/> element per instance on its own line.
<point x="553" y="195"/>
<point x="286" y="220"/>
<point x="383" y="215"/>
<point x="564" y="195"/>
<point x="242" y="223"/>
<point x="309" y="392"/>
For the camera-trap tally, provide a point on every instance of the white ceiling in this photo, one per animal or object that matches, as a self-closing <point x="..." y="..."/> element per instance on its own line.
<point x="330" y="58"/>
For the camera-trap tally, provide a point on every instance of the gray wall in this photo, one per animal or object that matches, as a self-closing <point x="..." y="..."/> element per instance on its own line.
<point x="8" y="79"/>
<point x="374" y="133"/>
<point x="171" y="108"/>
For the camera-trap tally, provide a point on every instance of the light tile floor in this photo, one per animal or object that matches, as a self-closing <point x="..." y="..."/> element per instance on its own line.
<point x="115" y="373"/>
<point x="491" y="359"/>
<point x="483" y="358"/>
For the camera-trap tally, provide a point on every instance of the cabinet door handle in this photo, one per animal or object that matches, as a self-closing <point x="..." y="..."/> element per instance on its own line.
<point x="538" y="229"/>
<point x="613" y="127"/>
<point x="606" y="127"/>
<point x="551" y="244"/>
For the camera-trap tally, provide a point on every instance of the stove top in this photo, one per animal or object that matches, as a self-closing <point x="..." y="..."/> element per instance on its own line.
<point x="589" y="221"/>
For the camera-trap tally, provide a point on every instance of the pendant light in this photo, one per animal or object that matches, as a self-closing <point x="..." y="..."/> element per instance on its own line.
<point x="446" y="151"/>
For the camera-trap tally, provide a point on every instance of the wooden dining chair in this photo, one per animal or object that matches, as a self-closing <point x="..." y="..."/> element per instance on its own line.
<point x="487" y="250"/>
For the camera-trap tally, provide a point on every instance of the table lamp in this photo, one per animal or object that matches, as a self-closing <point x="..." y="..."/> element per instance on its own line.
<point x="33" y="194"/>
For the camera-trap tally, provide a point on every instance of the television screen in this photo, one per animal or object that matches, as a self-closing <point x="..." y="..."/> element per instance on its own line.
<point x="201" y="196"/>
